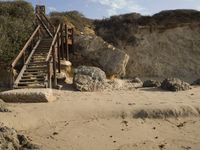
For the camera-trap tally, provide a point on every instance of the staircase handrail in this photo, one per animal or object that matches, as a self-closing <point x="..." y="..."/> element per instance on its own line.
<point x="53" y="43"/>
<point x="51" y="25"/>
<point x="21" y="53"/>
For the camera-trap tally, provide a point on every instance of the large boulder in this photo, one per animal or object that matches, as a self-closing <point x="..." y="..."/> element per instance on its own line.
<point x="11" y="140"/>
<point x="99" y="53"/>
<point x="174" y="84"/>
<point x="89" y="79"/>
<point x="196" y="82"/>
<point x="151" y="83"/>
<point x="28" y="96"/>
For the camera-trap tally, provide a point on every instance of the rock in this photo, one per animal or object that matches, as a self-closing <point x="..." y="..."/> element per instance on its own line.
<point x="95" y="50"/>
<point x="11" y="140"/>
<point x="174" y="84"/>
<point x="137" y="82"/>
<point x="27" y="95"/>
<point x="3" y="106"/>
<point x="66" y="67"/>
<point x="119" y="84"/>
<point x="196" y="82"/>
<point x="151" y="83"/>
<point x="61" y="77"/>
<point x="89" y="79"/>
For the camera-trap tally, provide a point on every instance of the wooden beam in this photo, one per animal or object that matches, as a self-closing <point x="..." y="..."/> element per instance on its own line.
<point x="58" y="52"/>
<point x="62" y="46"/>
<point x="54" y="67"/>
<point x="21" y="53"/>
<point x="66" y="42"/>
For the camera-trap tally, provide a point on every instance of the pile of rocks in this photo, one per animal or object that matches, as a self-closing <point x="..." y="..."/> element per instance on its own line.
<point x="175" y="84"/>
<point x="11" y="140"/>
<point x="151" y="83"/>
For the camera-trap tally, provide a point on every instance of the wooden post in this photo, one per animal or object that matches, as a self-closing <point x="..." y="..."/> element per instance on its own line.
<point x="62" y="48"/>
<point x="24" y="59"/>
<point x="12" y="77"/>
<point x="49" y="74"/>
<point x="54" y="67"/>
<point x="66" y="42"/>
<point x="73" y="40"/>
<point x="58" y="52"/>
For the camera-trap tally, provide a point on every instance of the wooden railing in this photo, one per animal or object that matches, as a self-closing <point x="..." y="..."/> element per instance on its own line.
<point x="46" y="23"/>
<point x="21" y="58"/>
<point x="59" y="49"/>
<point x="51" y="58"/>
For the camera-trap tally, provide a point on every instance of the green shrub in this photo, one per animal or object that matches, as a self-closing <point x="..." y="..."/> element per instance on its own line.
<point x="16" y="24"/>
<point x="78" y="20"/>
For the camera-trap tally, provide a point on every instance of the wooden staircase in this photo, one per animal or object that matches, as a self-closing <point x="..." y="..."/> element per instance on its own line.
<point x="35" y="69"/>
<point x="40" y="57"/>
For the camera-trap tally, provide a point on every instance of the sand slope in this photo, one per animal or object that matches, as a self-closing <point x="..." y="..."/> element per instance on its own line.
<point x="110" y="120"/>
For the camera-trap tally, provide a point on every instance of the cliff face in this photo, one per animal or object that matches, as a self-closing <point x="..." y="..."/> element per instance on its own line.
<point x="164" y="45"/>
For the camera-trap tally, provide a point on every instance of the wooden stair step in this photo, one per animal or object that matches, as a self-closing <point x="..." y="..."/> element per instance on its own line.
<point x="30" y="87"/>
<point x="31" y="83"/>
<point x="33" y="77"/>
<point x="32" y="80"/>
<point x="39" y="62"/>
<point x="36" y="67"/>
<point x="35" y="70"/>
<point x="34" y="74"/>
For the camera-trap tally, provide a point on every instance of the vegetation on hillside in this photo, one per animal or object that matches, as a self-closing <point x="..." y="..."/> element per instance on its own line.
<point x="16" y="24"/>
<point x="126" y="25"/>
<point x="72" y="18"/>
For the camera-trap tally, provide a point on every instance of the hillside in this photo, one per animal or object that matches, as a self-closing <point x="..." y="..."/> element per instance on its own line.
<point x="74" y="19"/>
<point x="16" y="24"/>
<point x="165" y="44"/>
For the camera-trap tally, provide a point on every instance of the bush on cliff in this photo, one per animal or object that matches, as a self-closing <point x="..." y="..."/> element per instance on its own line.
<point x="16" y="24"/>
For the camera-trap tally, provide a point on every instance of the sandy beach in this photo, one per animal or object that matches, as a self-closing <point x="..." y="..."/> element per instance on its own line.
<point x="146" y="118"/>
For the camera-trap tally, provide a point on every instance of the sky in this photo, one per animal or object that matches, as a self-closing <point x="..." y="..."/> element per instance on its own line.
<point x="98" y="9"/>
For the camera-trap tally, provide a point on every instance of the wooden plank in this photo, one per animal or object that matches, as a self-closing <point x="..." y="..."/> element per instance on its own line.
<point x="25" y="47"/>
<point x="24" y="67"/>
<point x="53" y="43"/>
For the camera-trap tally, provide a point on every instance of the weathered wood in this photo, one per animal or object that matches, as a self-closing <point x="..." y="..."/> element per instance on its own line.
<point x="44" y="25"/>
<point x="47" y="20"/>
<point x="25" y="64"/>
<point x="25" y="47"/>
<point x="72" y="45"/>
<point x="53" y="43"/>
<point x="62" y="46"/>
<point x="66" y="42"/>
<point x="58" y="52"/>
<point x="54" y="67"/>
<point x="49" y="74"/>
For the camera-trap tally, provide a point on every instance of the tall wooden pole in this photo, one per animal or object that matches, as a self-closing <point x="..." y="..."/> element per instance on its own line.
<point x="62" y="48"/>
<point x="58" y="52"/>
<point x="66" y="42"/>
<point x="54" y="67"/>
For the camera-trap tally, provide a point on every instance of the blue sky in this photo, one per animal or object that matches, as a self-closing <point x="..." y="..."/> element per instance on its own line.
<point x="106" y="8"/>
